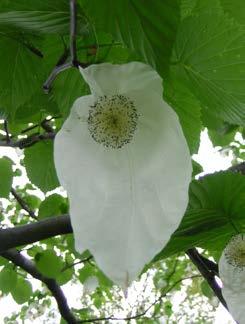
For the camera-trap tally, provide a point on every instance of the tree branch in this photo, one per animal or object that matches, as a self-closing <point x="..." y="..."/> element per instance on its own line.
<point x="73" y="30"/>
<point x="19" y="260"/>
<point x="29" y="141"/>
<point x="73" y="49"/>
<point x="30" y="233"/>
<point x="23" y="204"/>
<point x="206" y="273"/>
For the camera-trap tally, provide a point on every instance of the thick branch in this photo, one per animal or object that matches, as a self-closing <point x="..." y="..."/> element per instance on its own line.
<point x="19" y="260"/>
<point x="206" y="273"/>
<point x="30" y="233"/>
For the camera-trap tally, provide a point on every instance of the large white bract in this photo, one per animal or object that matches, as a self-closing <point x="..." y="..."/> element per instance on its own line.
<point x="123" y="159"/>
<point x="232" y="274"/>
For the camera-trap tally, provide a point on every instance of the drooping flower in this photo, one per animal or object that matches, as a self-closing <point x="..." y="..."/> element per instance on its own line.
<point x="232" y="274"/>
<point x="123" y="159"/>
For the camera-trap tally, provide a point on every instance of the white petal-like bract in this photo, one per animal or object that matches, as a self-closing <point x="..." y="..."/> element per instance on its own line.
<point x="123" y="159"/>
<point x="232" y="274"/>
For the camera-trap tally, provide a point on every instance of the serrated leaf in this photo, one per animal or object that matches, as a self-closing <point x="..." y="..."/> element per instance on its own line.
<point x="8" y="280"/>
<point x="22" y="291"/>
<point x="216" y="212"/>
<point x="53" y="205"/>
<point x="209" y="54"/>
<point x="40" y="16"/>
<point x="148" y="30"/>
<point x="6" y="177"/>
<point x="48" y="263"/>
<point x="39" y="165"/>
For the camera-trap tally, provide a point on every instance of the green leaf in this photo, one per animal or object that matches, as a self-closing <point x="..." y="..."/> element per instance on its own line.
<point x="235" y="9"/>
<point x="36" y="108"/>
<point x="39" y="165"/>
<point x="86" y="272"/>
<point x="65" y="276"/>
<point x="6" y="177"/>
<point x="222" y="136"/>
<point x="209" y="56"/>
<point x="32" y="201"/>
<point x="21" y="71"/>
<point x="8" y="279"/>
<point x="40" y="16"/>
<point x="216" y="212"/>
<point x="68" y="86"/>
<point x="186" y="7"/>
<point x="53" y="205"/>
<point x="196" y="167"/>
<point x="206" y="290"/>
<point x="48" y="263"/>
<point x="188" y="109"/>
<point x="22" y="291"/>
<point x="148" y="29"/>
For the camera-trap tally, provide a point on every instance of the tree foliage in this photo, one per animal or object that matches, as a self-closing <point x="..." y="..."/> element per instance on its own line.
<point x="198" y="48"/>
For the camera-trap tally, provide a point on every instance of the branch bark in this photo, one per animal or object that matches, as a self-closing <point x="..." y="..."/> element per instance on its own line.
<point x="30" y="233"/>
<point x="21" y="261"/>
<point x="208" y="274"/>
<point x="23" y="204"/>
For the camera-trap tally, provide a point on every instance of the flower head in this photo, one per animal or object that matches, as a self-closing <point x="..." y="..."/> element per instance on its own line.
<point x="123" y="159"/>
<point x="232" y="274"/>
<point x="235" y="251"/>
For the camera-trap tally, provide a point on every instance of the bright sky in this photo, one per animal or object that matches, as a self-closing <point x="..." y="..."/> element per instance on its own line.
<point x="211" y="161"/>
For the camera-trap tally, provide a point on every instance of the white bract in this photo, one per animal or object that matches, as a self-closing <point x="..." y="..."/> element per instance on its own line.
<point x="123" y="159"/>
<point x="232" y="274"/>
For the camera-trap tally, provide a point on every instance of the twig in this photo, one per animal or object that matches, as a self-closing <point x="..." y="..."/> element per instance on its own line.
<point x="19" y="260"/>
<point x="30" y="233"/>
<point x="73" y="48"/>
<point x="78" y="262"/>
<point x="206" y="273"/>
<point x="45" y="125"/>
<point x="29" y="141"/>
<point x="23" y="204"/>
<point x="59" y="68"/>
<point x="5" y="125"/>
<point x="140" y="315"/>
<point x="73" y="30"/>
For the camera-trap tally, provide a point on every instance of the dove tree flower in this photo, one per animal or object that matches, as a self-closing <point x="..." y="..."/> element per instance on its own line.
<point x="124" y="161"/>
<point x="232" y="274"/>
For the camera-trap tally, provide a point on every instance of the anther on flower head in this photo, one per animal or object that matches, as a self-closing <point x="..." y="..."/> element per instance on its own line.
<point x="235" y="251"/>
<point x="112" y="121"/>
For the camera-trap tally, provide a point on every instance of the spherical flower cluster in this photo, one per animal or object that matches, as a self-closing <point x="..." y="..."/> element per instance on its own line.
<point x="123" y="159"/>
<point x="232" y="274"/>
